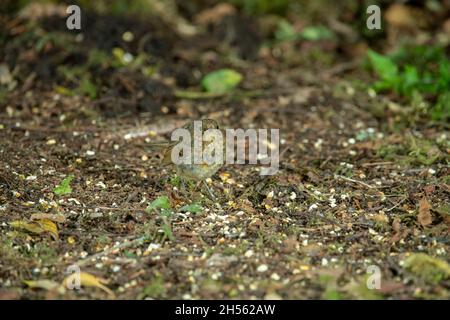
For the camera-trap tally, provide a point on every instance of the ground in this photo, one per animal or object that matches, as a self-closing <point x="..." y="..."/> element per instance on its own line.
<point x="357" y="192"/>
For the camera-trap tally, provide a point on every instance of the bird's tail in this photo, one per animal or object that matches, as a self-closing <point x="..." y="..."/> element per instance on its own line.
<point x="159" y="145"/>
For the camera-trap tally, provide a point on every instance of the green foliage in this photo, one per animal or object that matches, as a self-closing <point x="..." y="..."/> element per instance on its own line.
<point x="79" y="76"/>
<point x="286" y="32"/>
<point x="12" y="6"/>
<point x="167" y="231"/>
<point x="316" y="33"/>
<point x="192" y="208"/>
<point x="126" y="59"/>
<point x="263" y="6"/>
<point x="383" y="66"/>
<point x="159" y="203"/>
<point x="155" y="289"/>
<point x="221" y="81"/>
<point x="97" y="58"/>
<point x="411" y="151"/>
<point x="431" y="270"/>
<point x="57" y="39"/>
<point x="175" y="181"/>
<point x="162" y="206"/>
<point x="64" y="187"/>
<point x="421" y="75"/>
<point x="87" y="87"/>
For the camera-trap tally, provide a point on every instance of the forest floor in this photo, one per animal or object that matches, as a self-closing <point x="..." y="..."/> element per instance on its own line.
<point x="359" y="190"/>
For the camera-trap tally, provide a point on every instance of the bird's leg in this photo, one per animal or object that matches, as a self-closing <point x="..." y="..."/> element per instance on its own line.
<point x="183" y="186"/>
<point x="213" y="198"/>
<point x="183" y="190"/>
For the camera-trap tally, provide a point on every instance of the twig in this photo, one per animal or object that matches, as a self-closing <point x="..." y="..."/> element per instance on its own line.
<point x="356" y="181"/>
<point x="120" y="246"/>
<point x="396" y="205"/>
<point x="185" y="94"/>
<point x="341" y="68"/>
<point x="372" y="164"/>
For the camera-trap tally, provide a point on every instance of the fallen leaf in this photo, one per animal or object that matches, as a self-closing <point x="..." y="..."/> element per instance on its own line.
<point x="429" y="190"/>
<point x="38" y="227"/>
<point x="193" y="208"/>
<point x="88" y="280"/>
<point x="42" y="284"/>
<point x="424" y="216"/>
<point x="221" y="81"/>
<point x="161" y="202"/>
<point x="390" y="287"/>
<point x="380" y="217"/>
<point x="399" y="15"/>
<point x="214" y="14"/>
<point x="50" y="227"/>
<point x="396" y="225"/>
<point x="289" y="245"/>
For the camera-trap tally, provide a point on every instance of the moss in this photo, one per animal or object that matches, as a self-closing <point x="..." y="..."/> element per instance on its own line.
<point x="154" y="289"/>
<point x="412" y="151"/>
<point x="431" y="270"/>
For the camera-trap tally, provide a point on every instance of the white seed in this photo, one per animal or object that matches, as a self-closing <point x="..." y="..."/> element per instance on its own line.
<point x="262" y="268"/>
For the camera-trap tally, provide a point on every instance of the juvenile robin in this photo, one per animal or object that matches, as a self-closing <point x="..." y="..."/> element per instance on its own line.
<point x="191" y="171"/>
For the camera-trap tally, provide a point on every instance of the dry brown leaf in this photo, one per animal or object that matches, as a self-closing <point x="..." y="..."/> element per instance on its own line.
<point x="429" y="190"/>
<point x="88" y="280"/>
<point x="380" y="217"/>
<point x="290" y="245"/>
<point x="214" y="14"/>
<point x="396" y="225"/>
<point x="399" y="15"/>
<point x="404" y="16"/>
<point x="424" y="216"/>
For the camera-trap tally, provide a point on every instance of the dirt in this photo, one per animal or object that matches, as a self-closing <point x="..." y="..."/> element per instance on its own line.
<point x="337" y="206"/>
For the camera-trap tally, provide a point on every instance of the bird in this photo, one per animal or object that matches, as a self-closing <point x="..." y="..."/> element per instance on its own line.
<point x="191" y="171"/>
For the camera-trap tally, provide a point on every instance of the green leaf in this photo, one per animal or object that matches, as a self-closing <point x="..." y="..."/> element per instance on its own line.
<point x="383" y="66"/>
<point x="316" y="33"/>
<point x="64" y="187"/>
<point x="193" y="208"/>
<point x="168" y="232"/>
<point x="409" y="82"/>
<point x="87" y="87"/>
<point x="285" y="31"/>
<point x="161" y="202"/>
<point x="221" y="81"/>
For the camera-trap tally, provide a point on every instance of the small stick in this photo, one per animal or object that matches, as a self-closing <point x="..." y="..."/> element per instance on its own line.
<point x="209" y="191"/>
<point x="120" y="246"/>
<point x="370" y="164"/>
<point x="395" y="206"/>
<point x="356" y="181"/>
